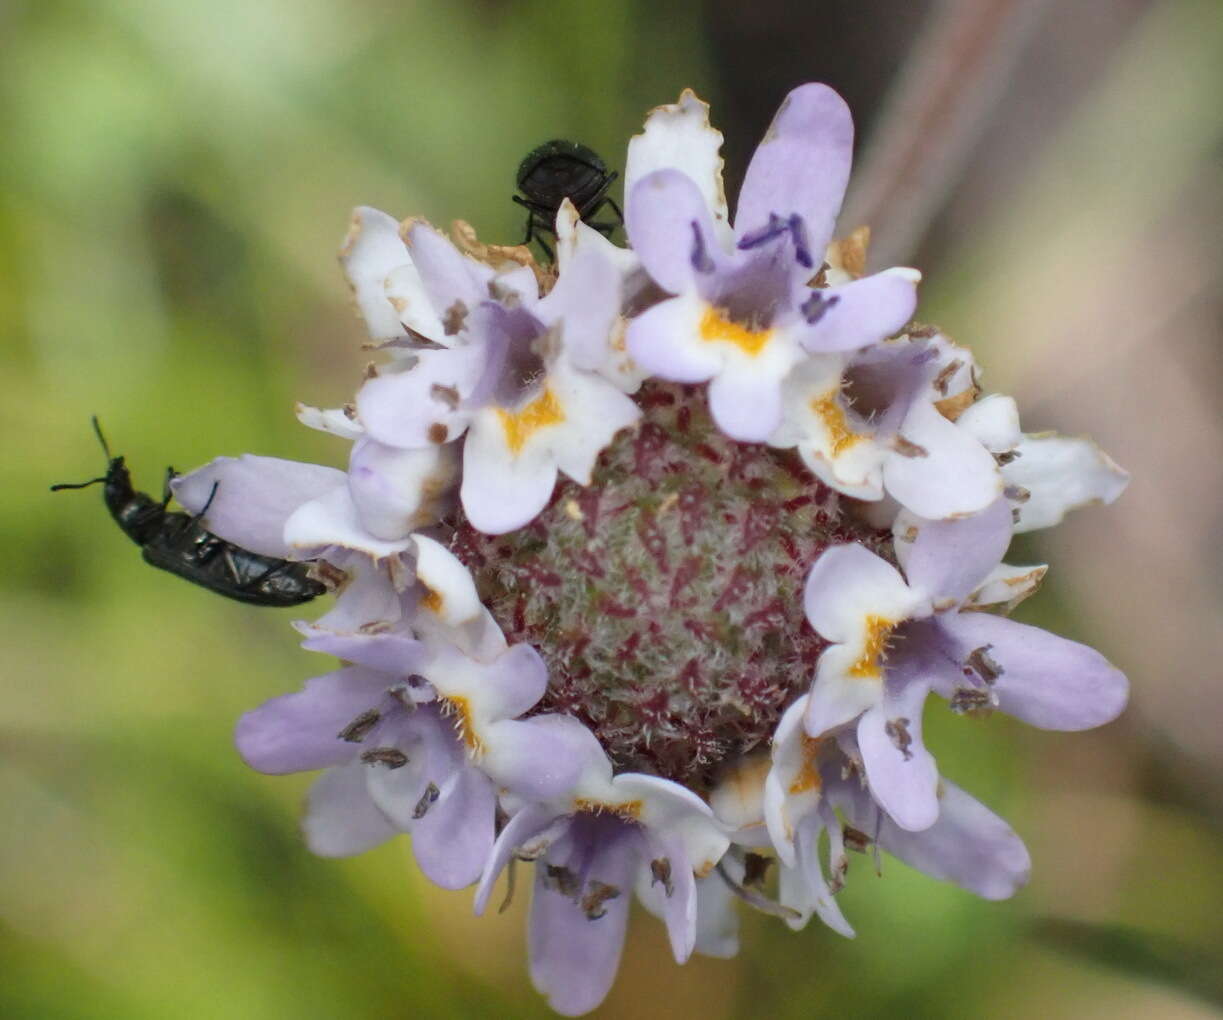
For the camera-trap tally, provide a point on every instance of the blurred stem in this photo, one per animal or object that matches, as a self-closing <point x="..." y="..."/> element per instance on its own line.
<point x="935" y="112"/>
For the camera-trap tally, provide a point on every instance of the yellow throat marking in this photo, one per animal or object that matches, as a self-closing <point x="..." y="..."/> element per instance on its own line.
<point x="808" y="777"/>
<point x="715" y="326"/>
<point x="840" y="436"/>
<point x="878" y="630"/>
<point x="520" y="425"/>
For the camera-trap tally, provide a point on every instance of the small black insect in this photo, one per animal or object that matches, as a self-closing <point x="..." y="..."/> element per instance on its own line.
<point x="558" y="170"/>
<point x="179" y="543"/>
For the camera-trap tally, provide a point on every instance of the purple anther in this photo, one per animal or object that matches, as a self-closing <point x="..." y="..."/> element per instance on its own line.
<point x="701" y="261"/>
<point x="798" y="233"/>
<point x="816" y="306"/>
<point x="776" y="227"/>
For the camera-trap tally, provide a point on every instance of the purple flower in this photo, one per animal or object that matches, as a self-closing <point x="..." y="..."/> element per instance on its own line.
<point x="517" y="376"/>
<point x="592" y="845"/>
<point x="895" y="641"/>
<point x="744" y="312"/>
<point x="810" y="777"/>
<point x="395" y="764"/>
<point x="871" y="423"/>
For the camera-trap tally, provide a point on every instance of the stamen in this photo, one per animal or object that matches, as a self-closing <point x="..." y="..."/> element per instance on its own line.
<point x="908" y="448"/>
<point x="1017" y="493"/>
<point x="984" y="665"/>
<point x="817" y="306"/>
<point x="455" y="317"/>
<point x="898" y="732"/>
<point x="660" y="870"/>
<point x="597" y="894"/>
<point x="562" y="880"/>
<point x="427" y="800"/>
<point x="798" y="233"/>
<point x="755" y="238"/>
<point x="390" y="757"/>
<point x="973" y="701"/>
<point x="359" y="728"/>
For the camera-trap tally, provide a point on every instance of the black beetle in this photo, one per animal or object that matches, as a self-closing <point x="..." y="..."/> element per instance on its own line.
<point x="179" y="543"/>
<point x="557" y="170"/>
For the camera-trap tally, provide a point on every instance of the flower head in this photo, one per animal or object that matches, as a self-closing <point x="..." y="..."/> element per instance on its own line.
<point x="650" y="636"/>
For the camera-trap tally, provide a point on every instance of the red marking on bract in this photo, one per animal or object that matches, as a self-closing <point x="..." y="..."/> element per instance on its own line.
<point x="774" y="612"/>
<point x="738" y="585"/>
<point x="640" y="586"/>
<point x="520" y="613"/>
<point x="656" y="708"/>
<point x="588" y="500"/>
<point x="697" y="629"/>
<point x="630" y="646"/>
<point x="654" y="540"/>
<point x="691" y="515"/>
<point x="759" y="524"/>
<point x="611" y="607"/>
<point x="683" y="419"/>
<point x="709" y="453"/>
<point x="684" y="576"/>
<point x="587" y="563"/>
<point x="538" y="574"/>
<point x="793" y="466"/>
<point x="648" y="445"/>
<point x="690" y="677"/>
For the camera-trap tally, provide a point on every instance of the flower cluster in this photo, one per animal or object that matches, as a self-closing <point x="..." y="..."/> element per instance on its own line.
<point x="648" y="634"/>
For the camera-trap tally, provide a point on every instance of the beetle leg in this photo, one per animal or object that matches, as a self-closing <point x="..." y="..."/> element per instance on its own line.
<point x="204" y="509"/>
<point x="166" y="494"/>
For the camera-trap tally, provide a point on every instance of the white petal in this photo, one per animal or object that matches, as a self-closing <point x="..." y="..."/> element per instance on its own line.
<point x="1061" y="474"/>
<point x="1009" y="585"/>
<point x="945" y="472"/>
<point x="395" y="491"/>
<point x="573" y="236"/>
<point x="668" y="808"/>
<point x="679" y="137"/>
<point x="789" y="794"/>
<point x="333" y="520"/>
<point x="452" y="593"/>
<point x="994" y="422"/>
<point x="849" y="583"/>
<point x="405" y="293"/>
<point x="370" y="252"/>
<point x="332" y="420"/>
<point x="511" y="457"/>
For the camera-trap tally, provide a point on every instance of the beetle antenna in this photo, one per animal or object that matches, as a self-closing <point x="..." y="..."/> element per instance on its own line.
<point x="101" y="438"/>
<point x="77" y="485"/>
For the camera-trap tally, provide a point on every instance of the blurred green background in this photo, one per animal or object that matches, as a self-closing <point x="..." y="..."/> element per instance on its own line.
<point x="176" y="177"/>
